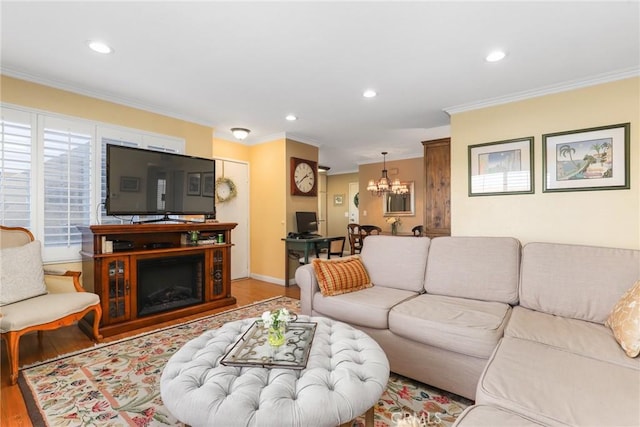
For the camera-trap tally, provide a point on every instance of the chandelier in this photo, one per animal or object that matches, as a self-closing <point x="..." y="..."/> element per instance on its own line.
<point x="384" y="184"/>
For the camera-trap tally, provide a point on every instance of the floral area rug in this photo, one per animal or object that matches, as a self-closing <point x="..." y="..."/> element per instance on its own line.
<point x="118" y="384"/>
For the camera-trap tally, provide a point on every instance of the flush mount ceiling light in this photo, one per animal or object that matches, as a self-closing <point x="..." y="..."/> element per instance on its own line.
<point x="100" y="47"/>
<point x="369" y="93"/>
<point x="495" y="56"/>
<point x="291" y="117"/>
<point x="240" y="133"/>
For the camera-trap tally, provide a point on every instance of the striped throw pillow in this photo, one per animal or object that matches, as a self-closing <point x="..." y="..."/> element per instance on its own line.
<point x="342" y="275"/>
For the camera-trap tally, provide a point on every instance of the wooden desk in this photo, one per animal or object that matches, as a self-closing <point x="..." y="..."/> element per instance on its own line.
<point x="301" y="244"/>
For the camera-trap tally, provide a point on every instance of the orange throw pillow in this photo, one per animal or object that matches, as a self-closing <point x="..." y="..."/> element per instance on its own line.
<point x="341" y="275"/>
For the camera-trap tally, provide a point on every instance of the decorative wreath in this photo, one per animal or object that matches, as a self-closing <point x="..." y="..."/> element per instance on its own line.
<point x="356" y="199"/>
<point x="233" y="190"/>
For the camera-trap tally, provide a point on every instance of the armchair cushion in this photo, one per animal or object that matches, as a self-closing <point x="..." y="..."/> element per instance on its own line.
<point x="44" y="309"/>
<point x="21" y="273"/>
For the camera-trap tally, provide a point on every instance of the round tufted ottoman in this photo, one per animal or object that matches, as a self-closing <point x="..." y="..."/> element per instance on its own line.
<point x="346" y="374"/>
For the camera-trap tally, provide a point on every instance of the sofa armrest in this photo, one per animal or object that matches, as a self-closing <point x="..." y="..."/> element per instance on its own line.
<point x="308" y="284"/>
<point x="62" y="281"/>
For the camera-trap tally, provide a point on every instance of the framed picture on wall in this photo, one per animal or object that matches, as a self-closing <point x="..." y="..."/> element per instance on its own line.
<point x="338" y="199"/>
<point x="586" y="159"/>
<point x="503" y="167"/>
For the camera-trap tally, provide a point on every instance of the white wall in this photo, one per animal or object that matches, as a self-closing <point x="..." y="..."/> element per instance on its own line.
<point x="604" y="218"/>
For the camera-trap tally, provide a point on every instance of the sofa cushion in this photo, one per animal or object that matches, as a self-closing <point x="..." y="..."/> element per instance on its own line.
<point x="481" y="268"/>
<point x="558" y="387"/>
<point x="21" y="273"/>
<point x="485" y="415"/>
<point x="341" y="275"/>
<point x="461" y="325"/>
<point x="368" y="307"/>
<point x="624" y="321"/>
<point x="396" y="262"/>
<point x="588" y="339"/>
<point x="581" y="282"/>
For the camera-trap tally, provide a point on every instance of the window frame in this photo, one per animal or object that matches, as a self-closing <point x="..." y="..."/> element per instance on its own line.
<point x="38" y="120"/>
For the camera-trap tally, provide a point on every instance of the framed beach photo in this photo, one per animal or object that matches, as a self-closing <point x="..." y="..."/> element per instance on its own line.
<point x="586" y="159"/>
<point x="503" y="167"/>
<point x="193" y="184"/>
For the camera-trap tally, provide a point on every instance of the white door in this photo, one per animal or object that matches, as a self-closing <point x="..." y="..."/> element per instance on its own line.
<point x="354" y="214"/>
<point x="236" y="209"/>
<point x="322" y="204"/>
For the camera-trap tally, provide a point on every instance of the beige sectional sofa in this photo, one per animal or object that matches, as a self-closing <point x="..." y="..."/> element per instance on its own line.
<point x="520" y="330"/>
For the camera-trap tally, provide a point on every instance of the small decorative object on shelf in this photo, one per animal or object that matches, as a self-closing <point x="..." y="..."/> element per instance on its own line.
<point x="395" y="223"/>
<point x="193" y="237"/>
<point x="276" y="323"/>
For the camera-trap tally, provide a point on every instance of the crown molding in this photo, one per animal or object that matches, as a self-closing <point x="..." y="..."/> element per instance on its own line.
<point x="69" y="87"/>
<point x="546" y="90"/>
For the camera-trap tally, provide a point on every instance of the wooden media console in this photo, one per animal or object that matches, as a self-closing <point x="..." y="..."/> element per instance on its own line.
<point x="155" y="273"/>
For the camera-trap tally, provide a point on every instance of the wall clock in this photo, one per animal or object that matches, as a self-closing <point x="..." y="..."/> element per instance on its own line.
<point x="304" y="177"/>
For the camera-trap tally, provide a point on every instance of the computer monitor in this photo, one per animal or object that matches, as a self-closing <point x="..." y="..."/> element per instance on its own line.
<point x="307" y="222"/>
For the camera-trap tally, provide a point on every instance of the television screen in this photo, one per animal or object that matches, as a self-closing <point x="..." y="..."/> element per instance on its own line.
<point x="145" y="182"/>
<point x="307" y="222"/>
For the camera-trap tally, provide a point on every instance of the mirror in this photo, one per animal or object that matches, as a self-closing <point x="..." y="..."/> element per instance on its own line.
<point x="400" y="204"/>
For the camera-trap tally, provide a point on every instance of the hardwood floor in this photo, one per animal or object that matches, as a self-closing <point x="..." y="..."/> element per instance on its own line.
<point x="13" y="411"/>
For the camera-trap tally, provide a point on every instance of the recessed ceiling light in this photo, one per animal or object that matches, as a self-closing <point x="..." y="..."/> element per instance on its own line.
<point x="100" y="47"/>
<point x="291" y="117"/>
<point x="495" y="56"/>
<point x="369" y="93"/>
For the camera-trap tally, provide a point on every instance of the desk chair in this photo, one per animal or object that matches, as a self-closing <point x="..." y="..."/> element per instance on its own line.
<point x="330" y="247"/>
<point x="355" y="238"/>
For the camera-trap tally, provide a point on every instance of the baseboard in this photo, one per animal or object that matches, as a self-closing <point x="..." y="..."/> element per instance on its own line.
<point x="269" y="279"/>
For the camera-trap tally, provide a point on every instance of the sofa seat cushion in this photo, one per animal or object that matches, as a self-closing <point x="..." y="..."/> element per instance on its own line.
<point x="44" y="309"/>
<point x="461" y="325"/>
<point x="484" y="415"/>
<point x="577" y="336"/>
<point x="558" y="387"/>
<point x="368" y="307"/>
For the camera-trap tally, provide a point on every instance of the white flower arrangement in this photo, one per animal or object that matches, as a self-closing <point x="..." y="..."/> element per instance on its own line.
<point x="276" y="317"/>
<point x="394" y="220"/>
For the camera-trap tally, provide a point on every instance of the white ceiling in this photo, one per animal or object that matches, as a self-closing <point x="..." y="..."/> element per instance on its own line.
<point x="249" y="64"/>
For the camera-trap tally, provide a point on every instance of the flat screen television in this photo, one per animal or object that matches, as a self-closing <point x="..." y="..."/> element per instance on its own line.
<point x="146" y="182"/>
<point x="307" y="222"/>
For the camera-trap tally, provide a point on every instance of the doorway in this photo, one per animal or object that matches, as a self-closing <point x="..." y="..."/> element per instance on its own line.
<point x="354" y="202"/>
<point x="236" y="209"/>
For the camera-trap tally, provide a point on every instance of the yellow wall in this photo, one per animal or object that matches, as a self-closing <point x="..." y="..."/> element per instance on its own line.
<point x="33" y="95"/>
<point x="605" y="218"/>
<point x="229" y="150"/>
<point x="336" y="219"/>
<point x="405" y="170"/>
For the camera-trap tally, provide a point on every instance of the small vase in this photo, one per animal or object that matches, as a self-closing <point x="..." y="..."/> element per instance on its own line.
<point x="276" y="335"/>
<point x="394" y="229"/>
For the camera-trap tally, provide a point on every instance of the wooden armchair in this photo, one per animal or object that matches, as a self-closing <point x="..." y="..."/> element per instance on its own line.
<point x="33" y="299"/>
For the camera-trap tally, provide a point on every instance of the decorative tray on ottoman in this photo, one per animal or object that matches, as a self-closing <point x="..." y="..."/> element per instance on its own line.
<point x="253" y="348"/>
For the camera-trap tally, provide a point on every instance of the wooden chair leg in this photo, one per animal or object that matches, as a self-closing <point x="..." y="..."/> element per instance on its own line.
<point x="96" y="323"/>
<point x="12" y="339"/>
